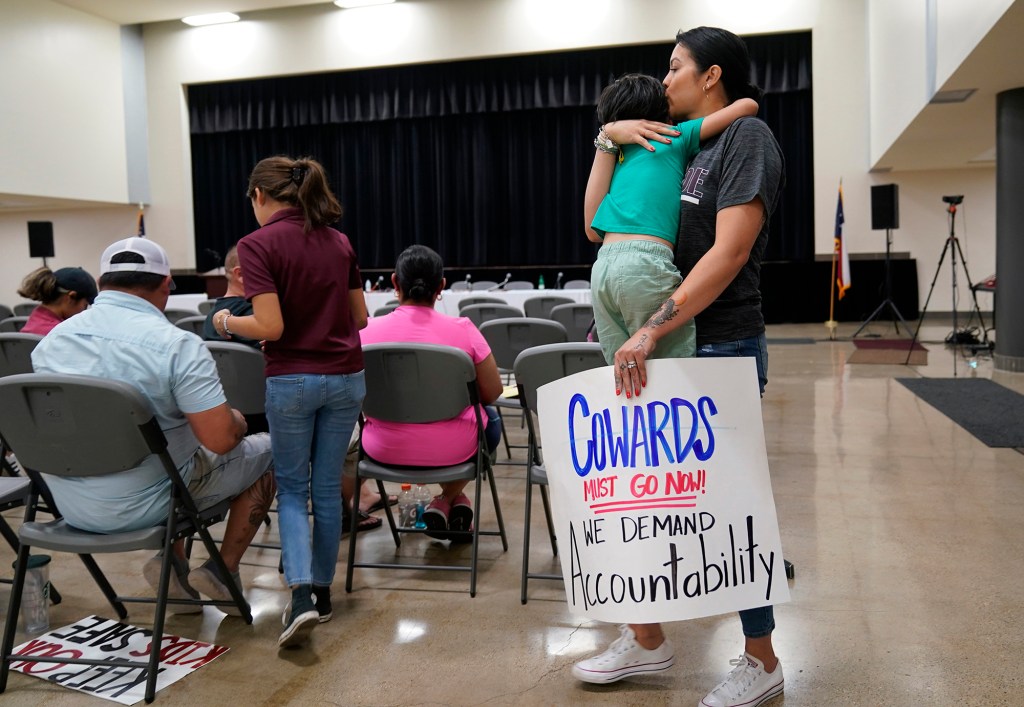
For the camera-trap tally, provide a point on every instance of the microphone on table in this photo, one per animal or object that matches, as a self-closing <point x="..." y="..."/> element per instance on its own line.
<point x="558" y="281"/>
<point x="469" y="285"/>
<point x="379" y="286"/>
<point x="501" y="285"/>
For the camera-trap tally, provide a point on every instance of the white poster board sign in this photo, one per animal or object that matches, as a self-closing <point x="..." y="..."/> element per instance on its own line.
<point x="662" y="503"/>
<point x="96" y="638"/>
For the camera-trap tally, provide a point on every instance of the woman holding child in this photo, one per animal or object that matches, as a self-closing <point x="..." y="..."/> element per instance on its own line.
<point x="729" y="192"/>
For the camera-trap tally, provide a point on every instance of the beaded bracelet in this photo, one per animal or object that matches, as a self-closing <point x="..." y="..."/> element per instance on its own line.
<point x="605" y="143"/>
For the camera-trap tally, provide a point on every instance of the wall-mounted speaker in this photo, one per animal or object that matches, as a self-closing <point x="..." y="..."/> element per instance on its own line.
<point x="40" y="239"/>
<point x="885" y="206"/>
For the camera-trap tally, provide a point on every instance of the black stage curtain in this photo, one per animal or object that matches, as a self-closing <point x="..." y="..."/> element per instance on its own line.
<point x="486" y="161"/>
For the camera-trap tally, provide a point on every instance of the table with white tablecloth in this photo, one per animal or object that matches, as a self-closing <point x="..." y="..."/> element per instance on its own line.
<point x="449" y="303"/>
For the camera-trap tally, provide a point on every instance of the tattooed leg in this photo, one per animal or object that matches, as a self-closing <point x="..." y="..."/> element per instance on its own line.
<point x="247" y="513"/>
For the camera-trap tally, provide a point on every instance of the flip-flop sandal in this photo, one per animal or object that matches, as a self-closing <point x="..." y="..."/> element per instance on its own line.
<point x="379" y="505"/>
<point x="366" y="522"/>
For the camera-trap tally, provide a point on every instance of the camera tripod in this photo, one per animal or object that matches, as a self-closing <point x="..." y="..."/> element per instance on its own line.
<point x="888" y="295"/>
<point x="952" y="247"/>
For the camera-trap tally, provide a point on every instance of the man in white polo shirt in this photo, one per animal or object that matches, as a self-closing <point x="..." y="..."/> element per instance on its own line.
<point x="125" y="336"/>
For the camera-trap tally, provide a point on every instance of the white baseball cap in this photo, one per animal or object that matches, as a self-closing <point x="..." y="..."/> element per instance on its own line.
<point x="154" y="258"/>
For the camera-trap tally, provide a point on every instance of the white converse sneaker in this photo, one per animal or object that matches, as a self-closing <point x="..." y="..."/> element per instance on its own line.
<point x="624" y="657"/>
<point x="748" y="685"/>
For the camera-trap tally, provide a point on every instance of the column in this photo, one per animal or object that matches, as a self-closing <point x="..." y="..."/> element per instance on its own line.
<point x="1009" y="353"/>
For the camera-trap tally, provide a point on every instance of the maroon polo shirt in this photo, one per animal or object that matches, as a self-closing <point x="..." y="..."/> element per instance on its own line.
<point x="311" y="274"/>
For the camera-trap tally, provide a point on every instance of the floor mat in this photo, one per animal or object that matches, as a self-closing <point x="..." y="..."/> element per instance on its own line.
<point x="888" y="351"/>
<point x="990" y="412"/>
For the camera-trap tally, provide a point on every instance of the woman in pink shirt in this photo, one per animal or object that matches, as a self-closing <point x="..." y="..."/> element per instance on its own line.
<point x="62" y="294"/>
<point x="418" y="280"/>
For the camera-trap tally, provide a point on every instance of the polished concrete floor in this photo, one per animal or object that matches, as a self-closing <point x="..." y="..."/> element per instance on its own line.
<point x="906" y="533"/>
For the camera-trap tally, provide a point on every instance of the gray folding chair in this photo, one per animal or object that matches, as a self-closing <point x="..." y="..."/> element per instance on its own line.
<point x="242" y="375"/>
<point x="173" y="315"/>
<point x="12" y="324"/>
<point x="193" y="324"/>
<point x="241" y="370"/>
<point x="533" y="368"/>
<point x="5" y="312"/>
<point x="205" y="306"/>
<point x="508" y="338"/>
<point x="575" y="317"/>
<point x="480" y="313"/>
<point x="541" y="305"/>
<point x="385" y="310"/>
<point x="419" y="384"/>
<point x="577" y="285"/>
<point x="16" y="352"/>
<point x="482" y="285"/>
<point x="24" y="309"/>
<point x="479" y="299"/>
<point x="15" y="357"/>
<point x="51" y="422"/>
<point x="460" y="286"/>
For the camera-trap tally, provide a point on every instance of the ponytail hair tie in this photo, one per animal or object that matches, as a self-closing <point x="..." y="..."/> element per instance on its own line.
<point x="298" y="175"/>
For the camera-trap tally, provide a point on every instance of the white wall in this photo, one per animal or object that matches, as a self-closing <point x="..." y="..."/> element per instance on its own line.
<point x="62" y="115"/>
<point x="322" y="38"/>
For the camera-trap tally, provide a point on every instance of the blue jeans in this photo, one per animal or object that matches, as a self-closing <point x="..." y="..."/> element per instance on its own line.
<point x="759" y="622"/>
<point x="311" y="419"/>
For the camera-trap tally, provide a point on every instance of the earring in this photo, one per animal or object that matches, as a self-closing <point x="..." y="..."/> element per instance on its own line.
<point x="706" y="87"/>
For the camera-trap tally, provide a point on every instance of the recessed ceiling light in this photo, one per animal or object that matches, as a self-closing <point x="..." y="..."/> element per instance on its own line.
<point x="214" y="18"/>
<point x="958" y="96"/>
<point x="349" y="4"/>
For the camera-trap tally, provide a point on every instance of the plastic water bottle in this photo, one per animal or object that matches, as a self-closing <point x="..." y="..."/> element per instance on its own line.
<point x="423" y="499"/>
<point x="367" y="286"/>
<point x="540" y="283"/>
<point x="35" y="598"/>
<point x="406" y="507"/>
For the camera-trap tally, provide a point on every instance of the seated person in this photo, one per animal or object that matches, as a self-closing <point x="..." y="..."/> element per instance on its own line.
<point x="418" y="280"/>
<point x="62" y="294"/>
<point x="126" y="337"/>
<point x="233" y="300"/>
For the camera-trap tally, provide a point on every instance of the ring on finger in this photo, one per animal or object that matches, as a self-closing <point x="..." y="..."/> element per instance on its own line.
<point x="631" y="364"/>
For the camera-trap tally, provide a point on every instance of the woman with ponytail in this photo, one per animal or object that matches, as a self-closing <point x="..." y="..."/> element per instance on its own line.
<point x="303" y="280"/>
<point x="418" y="280"/>
<point x="61" y="294"/>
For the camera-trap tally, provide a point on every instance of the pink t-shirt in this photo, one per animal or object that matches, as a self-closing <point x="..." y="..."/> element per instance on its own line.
<point x="41" y="321"/>
<point x="436" y="443"/>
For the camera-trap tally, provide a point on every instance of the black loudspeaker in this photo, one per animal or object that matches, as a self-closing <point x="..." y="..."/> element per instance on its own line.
<point x="40" y="239"/>
<point x="885" y="206"/>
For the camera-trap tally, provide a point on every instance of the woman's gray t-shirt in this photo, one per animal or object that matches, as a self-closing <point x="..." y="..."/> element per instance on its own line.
<point x="733" y="168"/>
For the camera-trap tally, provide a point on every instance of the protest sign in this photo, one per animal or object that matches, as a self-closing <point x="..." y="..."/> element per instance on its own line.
<point x="96" y="638"/>
<point x="662" y="503"/>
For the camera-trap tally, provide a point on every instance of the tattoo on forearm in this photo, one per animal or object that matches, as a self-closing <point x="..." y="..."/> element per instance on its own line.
<point x="641" y="342"/>
<point x="668" y="311"/>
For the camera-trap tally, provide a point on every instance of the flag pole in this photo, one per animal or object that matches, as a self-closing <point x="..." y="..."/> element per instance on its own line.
<point x="832" y="324"/>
